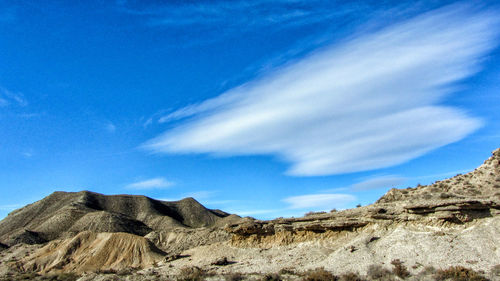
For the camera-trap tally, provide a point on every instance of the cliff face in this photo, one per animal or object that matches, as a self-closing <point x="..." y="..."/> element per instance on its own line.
<point x="457" y="200"/>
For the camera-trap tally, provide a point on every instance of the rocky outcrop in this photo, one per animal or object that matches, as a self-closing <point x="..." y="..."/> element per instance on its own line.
<point x="457" y="200"/>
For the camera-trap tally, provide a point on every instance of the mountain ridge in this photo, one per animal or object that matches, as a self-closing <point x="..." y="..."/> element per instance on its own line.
<point x="63" y="214"/>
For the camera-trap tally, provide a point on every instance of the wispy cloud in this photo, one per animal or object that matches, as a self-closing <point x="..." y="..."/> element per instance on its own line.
<point x="151" y="184"/>
<point x="321" y="201"/>
<point x="10" y="207"/>
<point x="8" y="97"/>
<point x="239" y="14"/>
<point x="253" y="212"/>
<point x="110" y="127"/>
<point x="371" y="102"/>
<point x="378" y="182"/>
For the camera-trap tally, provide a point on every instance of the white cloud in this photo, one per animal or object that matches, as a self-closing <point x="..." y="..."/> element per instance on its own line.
<point x="369" y="103"/>
<point x="151" y="184"/>
<point x="27" y="154"/>
<point x="378" y="182"/>
<point x="8" y="97"/>
<point x="240" y="14"/>
<point x="254" y="212"/>
<point x="10" y="207"/>
<point x="322" y="201"/>
<point x="110" y="127"/>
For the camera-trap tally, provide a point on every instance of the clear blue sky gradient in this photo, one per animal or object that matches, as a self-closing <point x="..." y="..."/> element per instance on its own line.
<point x="85" y="87"/>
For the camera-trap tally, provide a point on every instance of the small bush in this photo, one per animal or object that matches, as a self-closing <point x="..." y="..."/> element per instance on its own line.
<point x="319" y="274"/>
<point x="458" y="273"/>
<point x="376" y="271"/>
<point x="351" y="276"/>
<point x="192" y="274"/>
<point x="234" y="277"/>
<point x="272" y="277"/>
<point x="124" y="272"/>
<point x="106" y="271"/>
<point x="287" y="270"/>
<point x="399" y="269"/>
<point x="495" y="271"/>
<point x="313" y="213"/>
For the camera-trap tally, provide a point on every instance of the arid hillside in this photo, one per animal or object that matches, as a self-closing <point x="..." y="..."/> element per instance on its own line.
<point x="433" y="232"/>
<point x="65" y="214"/>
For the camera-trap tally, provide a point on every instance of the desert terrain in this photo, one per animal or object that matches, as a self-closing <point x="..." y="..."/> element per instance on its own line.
<point x="448" y="230"/>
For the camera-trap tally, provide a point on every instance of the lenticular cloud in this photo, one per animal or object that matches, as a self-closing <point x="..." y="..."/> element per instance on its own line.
<point x="369" y="103"/>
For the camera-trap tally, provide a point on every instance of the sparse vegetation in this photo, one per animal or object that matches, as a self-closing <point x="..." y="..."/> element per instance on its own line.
<point x="38" y="277"/>
<point x="192" y="274"/>
<point x="287" y="270"/>
<point x="319" y="274"/>
<point x="458" y="273"/>
<point x="272" y="277"/>
<point x="376" y="271"/>
<point x="399" y="269"/>
<point x="351" y="276"/>
<point x="495" y="271"/>
<point x="234" y="277"/>
<point x="311" y="213"/>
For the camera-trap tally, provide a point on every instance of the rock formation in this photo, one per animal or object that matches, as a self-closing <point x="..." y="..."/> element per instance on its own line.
<point x="457" y="200"/>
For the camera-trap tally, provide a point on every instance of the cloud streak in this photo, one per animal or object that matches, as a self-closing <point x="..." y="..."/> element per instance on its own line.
<point x="8" y="97"/>
<point x="378" y="182"/>
<point x="325" y="200"/>
<point x="237" y="14"/>
<point x="153" y="183"/>
<point x="369" y="103"/>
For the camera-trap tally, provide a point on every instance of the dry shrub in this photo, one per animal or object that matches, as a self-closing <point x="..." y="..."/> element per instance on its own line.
<point x="458" y="273"/>
<point x="311" y="213"/>
<point x="319" y="274"/>
<point x="376" y="271"/>
<point x="192" y="274"/>
<point x="234" y="277"/>
<point x="38" y="277"/>
<point x="495" y="270"/>
<point x="351" y="276"/>
<point x="399" y="269"/>
<point x="272" y="277"/>
<point x="428" y="270"/>
<point x="287" y="270"/>
<point x="125" y="271"/>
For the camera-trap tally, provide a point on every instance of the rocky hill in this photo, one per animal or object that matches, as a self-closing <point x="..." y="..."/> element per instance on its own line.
<point x="457" y="200"/>
<point x="65" y="214"/>
<point x="88" y="251"/>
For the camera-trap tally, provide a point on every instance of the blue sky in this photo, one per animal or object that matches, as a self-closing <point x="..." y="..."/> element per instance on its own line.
<point x="262" y="108"/>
